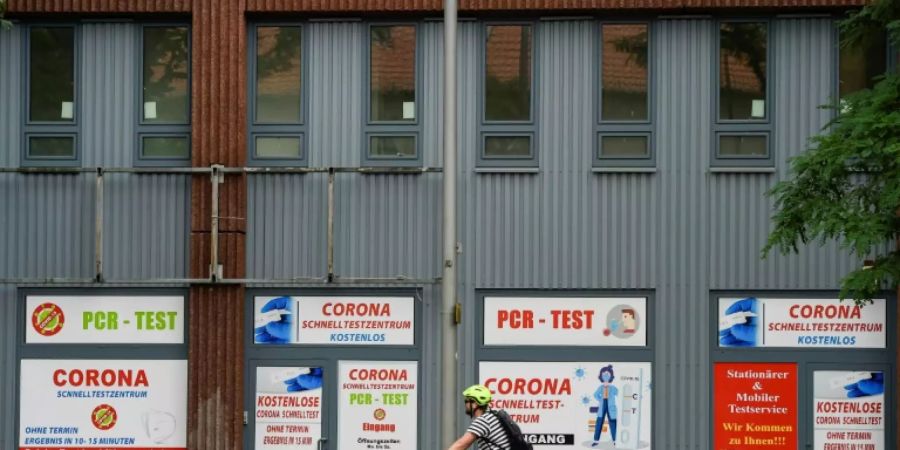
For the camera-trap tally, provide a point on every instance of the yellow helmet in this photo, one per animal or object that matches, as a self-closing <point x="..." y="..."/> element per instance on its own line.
<point x="479" y="393"/>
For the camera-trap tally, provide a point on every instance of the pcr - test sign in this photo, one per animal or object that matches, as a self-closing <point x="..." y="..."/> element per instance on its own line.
<point x="334" y="320"/>
<point x="378" y="405"/>
<point x="572" y="321"/>
<point x="849" y="410"/>
<point x="288" y="412"/>
<point x="104" y="319"/>
<point x="103" y="404"/>
<point x="575" y="405"/>
<point x="807" y="323"/>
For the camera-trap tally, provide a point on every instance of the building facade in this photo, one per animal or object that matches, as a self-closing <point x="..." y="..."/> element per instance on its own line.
<point x="221" y="226"/>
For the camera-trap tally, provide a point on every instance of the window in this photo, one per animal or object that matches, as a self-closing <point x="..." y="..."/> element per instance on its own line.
<point x="392" y="113"/>
<point x="164" y="128"/>
<point x="625" y="127"/>
<point x="277" y="126"/>
<point x="507" y="126"/>
<point x="51" y="126"/>
<point x="859" y="65"/>
<point x="743" y="112"/>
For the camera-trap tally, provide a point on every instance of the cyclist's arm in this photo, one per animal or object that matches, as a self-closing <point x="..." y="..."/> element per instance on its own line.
<point x="463" y="442"/>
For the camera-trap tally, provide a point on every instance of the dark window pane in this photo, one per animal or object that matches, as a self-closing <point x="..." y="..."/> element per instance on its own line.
<point x="624" y="72"/>
<point x="742" y="146"/>
<point x="278" y="74"/>
<point x="860" y="64"/>
<point x="280" y="147"/>
<point x="508" y="73"/>
<point x="742" y="71"/>
<point x="52" y="74"/>
<point x="392" y="146"/>
<point x="623" y="147"/>
<point x="168" y="147"/>
<point x="507" y="146"/>
<point x="51" y="147"/>
<point x="166" y="75"/>
<point x="392" y="87"/>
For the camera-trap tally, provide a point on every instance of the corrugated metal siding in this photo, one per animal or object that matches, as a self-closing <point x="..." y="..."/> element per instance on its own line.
<point x="108" y="90"/>
<point x="99" y="6"/>
<point x="11" y="92"/>
<point x="8" y="378"/>
<point x="681" y="420"/>
<point x="335" y="93"/>
<point x="803" y="54"/>
<point x="287" y="226"/>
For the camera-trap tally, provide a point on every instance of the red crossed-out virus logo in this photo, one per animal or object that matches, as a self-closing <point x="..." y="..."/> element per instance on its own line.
<point x="104" y="417"/>
<point x="48" y="319"/>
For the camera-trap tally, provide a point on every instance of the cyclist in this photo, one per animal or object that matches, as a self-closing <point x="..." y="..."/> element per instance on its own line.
<point x="485" y="428"/>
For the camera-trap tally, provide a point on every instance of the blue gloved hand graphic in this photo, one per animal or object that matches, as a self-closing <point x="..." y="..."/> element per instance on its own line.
<point x="741" y="334"/>
<point x="865" y="388"/>
<point x="306" y="381"/>
<point x="276" y="330"/>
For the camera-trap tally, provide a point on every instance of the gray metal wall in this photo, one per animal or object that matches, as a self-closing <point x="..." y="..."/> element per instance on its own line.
<point x="47" y="221"/>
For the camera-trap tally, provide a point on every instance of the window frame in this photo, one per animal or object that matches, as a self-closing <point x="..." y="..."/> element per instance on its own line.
<point x="623" y="128"/>
<point x="160" y="129"/>
<point x="743" y="127"/>
<point x="391" y="128"/>
<point x="277" y="129"/>
<point x="38" y="128"/>
<point x="507" y="128"/>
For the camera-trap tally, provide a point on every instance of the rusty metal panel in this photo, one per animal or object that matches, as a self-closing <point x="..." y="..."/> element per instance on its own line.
<point x="98" y="6"/>
<point x="215" y="367"/>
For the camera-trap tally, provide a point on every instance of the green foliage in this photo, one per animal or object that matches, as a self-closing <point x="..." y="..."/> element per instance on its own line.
<point x="846" y="187"/>
<point x="4" y="24"/>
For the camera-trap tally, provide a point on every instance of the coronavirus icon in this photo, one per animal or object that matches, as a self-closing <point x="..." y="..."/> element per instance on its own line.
<point x="48" y="319"/>
<point x="380" y="414"/>
<point x="104" y="417"/>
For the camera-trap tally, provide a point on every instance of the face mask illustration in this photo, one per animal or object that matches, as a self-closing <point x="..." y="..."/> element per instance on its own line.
<point x="158" y="425"/>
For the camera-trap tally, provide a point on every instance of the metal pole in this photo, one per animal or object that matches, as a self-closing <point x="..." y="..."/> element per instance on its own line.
<point x="215" y="178"/>
<point x="98" y="228"/>
<point x="449" y="366"/>
<point x="330" y="225"/>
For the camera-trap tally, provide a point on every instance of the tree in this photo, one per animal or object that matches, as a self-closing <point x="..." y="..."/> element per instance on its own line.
<point x="3" y="23"/>
<point x="846" y="187"/>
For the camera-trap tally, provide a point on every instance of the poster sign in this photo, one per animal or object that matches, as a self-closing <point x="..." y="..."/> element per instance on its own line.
<point x="556" y="321"/>
<point x="849" y="410"/>
<point x="755" y="406"/>
<point x="103" y="404"/>
<point x="378" y="405"/>
<point x="574" y="405"/>
<point x="334" y="320"/>
<point x="89" y="319"/>
<point x="288" y="408"/>
<point x="805" y="323"/>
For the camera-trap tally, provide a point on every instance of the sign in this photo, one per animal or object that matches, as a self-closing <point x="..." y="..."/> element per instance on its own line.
<point x="562" y="405"/>
<point x="565" y="321"/>
<point x="54" y="319"/>
<point x="334" y="320"/>
<point x="288" y="408"/>
<point x="806" y="323"/>
<point x="103" y="404"/>
<point x="378" y="405"/>
<point x="849" y="410"/>
<point x="755" y="406"/>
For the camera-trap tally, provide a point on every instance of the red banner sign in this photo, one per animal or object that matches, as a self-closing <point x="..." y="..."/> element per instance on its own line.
<point x="755" y="406"/>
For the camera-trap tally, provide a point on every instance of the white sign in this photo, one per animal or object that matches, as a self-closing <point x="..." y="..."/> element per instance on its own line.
<point x="560" y="321"/>
<point x="334" y="320"/>
<point x="149" y="110"/>
<point x="95" y="319"/>
<point x="86" y="404"/>
<point x="288" y="407"/>
<point x="574" y="405"/>
<point x="786" y="322"/>
<point x="409" y="110"/>
<point x="849" y="410"/>
<point x="378" y="405"/>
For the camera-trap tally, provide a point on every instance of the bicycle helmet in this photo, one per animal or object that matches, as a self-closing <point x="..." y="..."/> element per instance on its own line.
<point x="479" y="393"/>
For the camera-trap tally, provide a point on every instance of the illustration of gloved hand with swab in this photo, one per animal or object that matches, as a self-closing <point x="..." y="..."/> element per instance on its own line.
<point x="867" y="384"/>
<point x="738" y="327"/>
<point x="299" y="380"/>
<point x="274" y="322"/>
